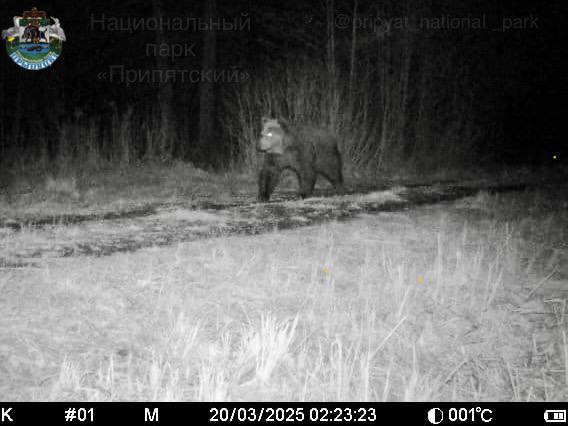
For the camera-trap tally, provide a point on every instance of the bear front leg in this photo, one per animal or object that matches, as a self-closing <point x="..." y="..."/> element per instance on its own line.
<point x="267" y="181"/>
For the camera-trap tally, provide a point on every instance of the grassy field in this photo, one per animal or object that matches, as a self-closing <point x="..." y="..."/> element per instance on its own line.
<point x="460" y="301"/>
<point x="115" y="189"/>
<point x="26" y="194"/>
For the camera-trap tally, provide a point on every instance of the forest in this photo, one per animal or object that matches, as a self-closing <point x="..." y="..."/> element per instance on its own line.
<point x="407" y="84"/>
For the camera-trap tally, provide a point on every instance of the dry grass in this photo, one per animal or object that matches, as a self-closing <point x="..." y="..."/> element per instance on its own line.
<point x="83" y="192"/>
<point x="456" y="302"/>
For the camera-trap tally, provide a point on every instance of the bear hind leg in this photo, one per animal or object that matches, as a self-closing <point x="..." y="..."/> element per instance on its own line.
<point x="334" y="175"/>
<point x="307" y="183"/>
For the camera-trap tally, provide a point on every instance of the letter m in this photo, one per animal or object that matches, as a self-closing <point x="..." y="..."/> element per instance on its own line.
<point x="151" y="416"/>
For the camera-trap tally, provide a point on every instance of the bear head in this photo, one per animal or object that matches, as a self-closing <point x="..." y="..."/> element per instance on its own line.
<point x="272" y="136"/>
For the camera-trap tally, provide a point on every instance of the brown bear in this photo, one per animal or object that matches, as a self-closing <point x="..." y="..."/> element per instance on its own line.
<point x="306" y="150"/>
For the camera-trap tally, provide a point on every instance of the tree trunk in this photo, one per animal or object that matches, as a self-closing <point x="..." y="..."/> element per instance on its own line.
<point x="333" y="99"/>
<point x="352" y="61"/>
<point x="165" y="97"/>
<point x="207" y="141"/>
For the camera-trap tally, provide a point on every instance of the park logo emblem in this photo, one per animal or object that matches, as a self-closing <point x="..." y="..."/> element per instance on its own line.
<point x="35" y="41"/>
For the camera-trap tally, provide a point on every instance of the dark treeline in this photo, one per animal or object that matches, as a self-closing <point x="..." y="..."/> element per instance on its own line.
<point x="404" y="82"/>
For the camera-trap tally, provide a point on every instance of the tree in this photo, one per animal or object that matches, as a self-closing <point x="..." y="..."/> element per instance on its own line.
<point x="207" y="140"/>
<point x="165" y="95"/>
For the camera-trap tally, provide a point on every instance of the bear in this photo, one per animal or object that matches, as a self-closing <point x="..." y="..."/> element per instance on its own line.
<point x="306" y="150"/>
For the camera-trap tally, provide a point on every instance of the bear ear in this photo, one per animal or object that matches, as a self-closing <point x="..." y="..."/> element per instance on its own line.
<point x="265" y="119"/>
